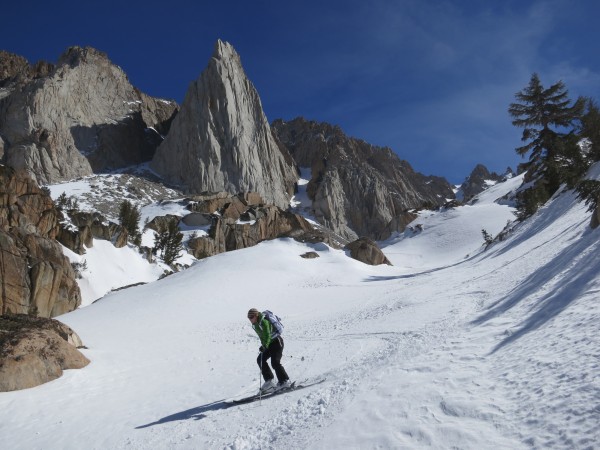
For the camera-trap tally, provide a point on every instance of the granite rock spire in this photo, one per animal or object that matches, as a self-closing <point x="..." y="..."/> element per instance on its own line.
<point x="221" y="139"/>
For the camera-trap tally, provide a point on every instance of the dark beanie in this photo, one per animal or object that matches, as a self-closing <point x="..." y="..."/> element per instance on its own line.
<point x="253" y="312"/>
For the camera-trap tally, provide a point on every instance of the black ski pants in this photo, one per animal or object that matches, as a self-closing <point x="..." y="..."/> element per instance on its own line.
<point x="275" y="352"/>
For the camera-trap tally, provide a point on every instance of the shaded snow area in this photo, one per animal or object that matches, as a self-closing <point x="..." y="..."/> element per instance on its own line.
<point x="301" y="202"/>
<point x="455" y="346"/>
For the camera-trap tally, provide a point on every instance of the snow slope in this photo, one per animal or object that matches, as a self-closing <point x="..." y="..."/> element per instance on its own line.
<point x="452" y="235"/>
<point x="497" y="349"/>
<point x="105" y="268"/>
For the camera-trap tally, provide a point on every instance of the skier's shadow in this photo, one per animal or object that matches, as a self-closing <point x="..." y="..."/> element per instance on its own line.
<point x="196" y="413"/>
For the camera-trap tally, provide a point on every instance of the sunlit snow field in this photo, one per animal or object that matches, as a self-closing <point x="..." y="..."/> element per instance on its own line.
<point x="453" y="346"/>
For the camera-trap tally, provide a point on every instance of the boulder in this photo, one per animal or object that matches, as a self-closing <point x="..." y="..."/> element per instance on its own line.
<point x="309" y="255"/>
<point x="251" y="198"/>
<point x="238" y="225"/>
<point x="272" y="223"/>
<point x="160" y="224"/>
<point x="233" y="210"/>
<point x="197" y="220"/>
<point x="365" y="250"/>
<point x="112" y="232"/>
<point x="203" y="247"/>
<point x="211" y="202"/>
<point x="87" y="226"/>
<point x="75" y="239"/>
<point x="208" y="203"/>
<point x="36" y="350"/>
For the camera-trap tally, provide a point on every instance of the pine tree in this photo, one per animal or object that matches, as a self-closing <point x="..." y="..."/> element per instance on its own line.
<point x="61" y="201"/>
<point x="548" y="120"/>
<point x="589" y="129"/>
<point x="589" y="190"/>
<point x="487" y="237"/>
<point x="169" y="243"/>
<point x="129" y="218"/>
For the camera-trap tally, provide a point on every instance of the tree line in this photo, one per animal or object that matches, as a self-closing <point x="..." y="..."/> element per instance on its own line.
<point x="168" y="242"/>
<point x="561" y="138"/>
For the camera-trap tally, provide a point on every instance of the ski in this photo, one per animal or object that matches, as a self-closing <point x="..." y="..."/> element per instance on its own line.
<point x="307" y="383"/>
<point x="264" y="395"/>
<point x="294" y="387"/>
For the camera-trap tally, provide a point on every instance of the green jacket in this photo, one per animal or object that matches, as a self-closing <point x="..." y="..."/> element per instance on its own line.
<point x="264" y="329"/>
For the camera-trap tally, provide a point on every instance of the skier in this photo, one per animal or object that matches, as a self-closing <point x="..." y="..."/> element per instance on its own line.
<point x="272" y="347"/>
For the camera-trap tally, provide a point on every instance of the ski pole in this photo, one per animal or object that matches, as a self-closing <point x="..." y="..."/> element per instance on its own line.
<point x="259" y="389"/>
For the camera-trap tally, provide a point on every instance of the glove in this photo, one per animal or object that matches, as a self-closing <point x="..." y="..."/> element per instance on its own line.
<point x="261" y="349"/>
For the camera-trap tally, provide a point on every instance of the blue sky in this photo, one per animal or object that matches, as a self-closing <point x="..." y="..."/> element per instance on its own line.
<point x="430" y="79"/>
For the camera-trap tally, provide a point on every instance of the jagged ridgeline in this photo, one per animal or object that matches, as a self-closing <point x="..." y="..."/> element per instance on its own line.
<point x="83" y="116"/>
<point x="358" y="189"/>
<point x="75" y="118"/>
<point x="221" y="140"/>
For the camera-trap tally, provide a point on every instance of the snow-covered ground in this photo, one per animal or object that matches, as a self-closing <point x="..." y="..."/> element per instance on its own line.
<point x="452" y="347"/>
<point x="104" y="268"/>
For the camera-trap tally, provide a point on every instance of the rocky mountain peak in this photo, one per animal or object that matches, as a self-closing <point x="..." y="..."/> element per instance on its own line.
<point x="76" y="55"/>
<point x="81" y="117"/>
<point x="357" y="189"/>
<point x="11" y="66"/>
<point x="225" y="51"/>
<point x="221" y="139"/>
<point x="479" y="180"/>
<point x="15" y="68"/>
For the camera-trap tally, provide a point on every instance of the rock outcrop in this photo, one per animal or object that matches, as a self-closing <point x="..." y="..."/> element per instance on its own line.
<point x="87" y="226"/>
<point x="365" y="250"/>
<point x="35" y="276"/>
<point x="358" y="189"/>
<point x="244" y="221"/>
<point x="310" y="255"/>
<point x="221" y="139"/>
<point x="160" y="224"/>
<point x="76" y="118"/>
<point x="16" y="69"/>
<point x="36" y="350"/>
